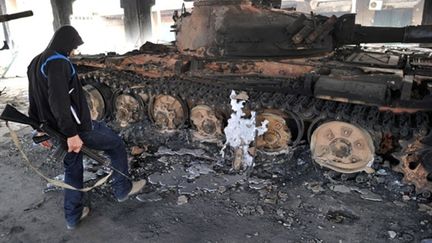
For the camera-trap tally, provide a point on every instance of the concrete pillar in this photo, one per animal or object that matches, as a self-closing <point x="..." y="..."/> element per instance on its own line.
<point x="144" y="18"/>
<point x="427" y="18"/>
<point x="427" y="12"/>
<point x="6" y="30"/>
<point x="268" y="3"/>
<point x="275" y="3"/>
<point x="62" y="10"/>
<point x="130" y="20"/>
<point x="137" y="20"/>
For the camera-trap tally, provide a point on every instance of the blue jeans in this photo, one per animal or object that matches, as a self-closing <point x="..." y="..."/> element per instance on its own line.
<point x="100" y="138"/>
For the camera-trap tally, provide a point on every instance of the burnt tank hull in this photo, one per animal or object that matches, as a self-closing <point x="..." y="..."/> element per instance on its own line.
<point x="237" y="28"/>
<point x="349" y="101"/>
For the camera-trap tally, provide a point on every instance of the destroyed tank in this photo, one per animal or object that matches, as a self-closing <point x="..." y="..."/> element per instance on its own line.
<point x="306" y="74"/>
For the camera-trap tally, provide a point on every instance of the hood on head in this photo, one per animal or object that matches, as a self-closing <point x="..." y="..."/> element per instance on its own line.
<point x="65" y="39"/>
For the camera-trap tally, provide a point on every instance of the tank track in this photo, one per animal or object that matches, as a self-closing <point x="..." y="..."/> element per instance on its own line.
<point x="308" y="112"/>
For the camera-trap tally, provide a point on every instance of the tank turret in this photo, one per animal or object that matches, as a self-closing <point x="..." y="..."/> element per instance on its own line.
<point x="239" y="28"/>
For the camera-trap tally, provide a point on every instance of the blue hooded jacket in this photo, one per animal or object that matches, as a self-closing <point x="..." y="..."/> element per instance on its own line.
<point x="55" y="94"/>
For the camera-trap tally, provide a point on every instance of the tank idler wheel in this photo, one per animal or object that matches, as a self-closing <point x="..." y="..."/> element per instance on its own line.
<point x="278" y="135"/>
<point x="415" y="173"/>
<point x="207" y="125"/>
<point x="412" y="165"/>
<point x="128" y="108"/>
<point x="168" y="112"/>
<point x="342" y="147"/>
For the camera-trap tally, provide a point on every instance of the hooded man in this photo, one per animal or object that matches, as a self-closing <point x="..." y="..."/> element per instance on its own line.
<point x="57" y="98"/>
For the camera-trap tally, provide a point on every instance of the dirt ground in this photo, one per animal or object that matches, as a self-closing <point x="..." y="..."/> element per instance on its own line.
<point x="193" y="196"/>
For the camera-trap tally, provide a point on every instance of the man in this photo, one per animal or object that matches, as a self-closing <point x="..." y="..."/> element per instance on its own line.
<point x="56" y="98"/>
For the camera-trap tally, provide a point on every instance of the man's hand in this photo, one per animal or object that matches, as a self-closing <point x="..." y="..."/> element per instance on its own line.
<point x="46" y="144"/>
<point x="74" y="144"/>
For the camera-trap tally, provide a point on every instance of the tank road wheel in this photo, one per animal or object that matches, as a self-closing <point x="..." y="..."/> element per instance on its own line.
<point x="208" y="126"/>
<point x="128" y="109"/>
<point x="98" y="98"/>
<point x="168" y="112"/>
<point x="278" y="135"/>
<point x="342" y="147"/>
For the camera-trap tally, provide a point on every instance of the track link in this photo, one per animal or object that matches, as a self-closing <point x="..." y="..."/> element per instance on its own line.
<point x="306" y="112"/>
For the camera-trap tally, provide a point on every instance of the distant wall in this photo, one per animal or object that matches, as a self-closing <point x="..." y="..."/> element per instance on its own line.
<point x="369" y="13"/>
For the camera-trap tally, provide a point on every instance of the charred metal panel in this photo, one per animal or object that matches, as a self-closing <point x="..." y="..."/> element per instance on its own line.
<point x="237" y="28"/>
<point x="148" y="65"/>
<point x="374" y="59"/>
<point x="269" y="68"/>
<point x="362" y="92"/>
<point x="407" y="85"/>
